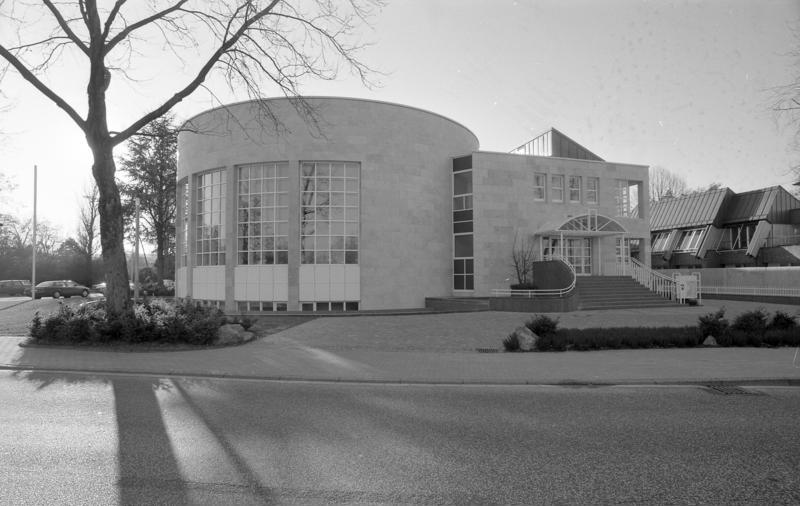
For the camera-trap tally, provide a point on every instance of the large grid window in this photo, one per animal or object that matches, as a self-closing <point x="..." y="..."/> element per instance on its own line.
<point x="183" y="227"/>
<point x="210" y="239"/>
<point x="263" y="209"/>
<point x="557" y="188"/>
<point x="329" y="227"/>
<point x="539" y="186"/>
<point x="592" y="186"/>
<point x="574" y="188"/>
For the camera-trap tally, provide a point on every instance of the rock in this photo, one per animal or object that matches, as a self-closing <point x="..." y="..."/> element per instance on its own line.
<point x="710" y="341"/>
<point x="527" y="339"/>
<point x="233" y="333"/>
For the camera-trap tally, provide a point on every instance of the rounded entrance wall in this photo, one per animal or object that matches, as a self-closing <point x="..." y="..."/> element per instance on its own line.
<point x="350" y="212"/>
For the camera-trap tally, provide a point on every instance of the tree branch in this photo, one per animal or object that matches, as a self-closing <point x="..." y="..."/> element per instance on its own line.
<point x="198" y="80"/>
<point x="142" y="22"/>
<point x="65" y="26"/>
<point x="39" y="85"/>
<point x="111" y="17"/>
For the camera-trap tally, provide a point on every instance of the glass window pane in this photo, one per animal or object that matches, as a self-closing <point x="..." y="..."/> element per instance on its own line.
<point x="462" y="183"/>
<point x="463" y="245"/>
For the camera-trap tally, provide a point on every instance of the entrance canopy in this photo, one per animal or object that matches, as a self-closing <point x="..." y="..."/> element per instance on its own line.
<point x="585" y="225"/>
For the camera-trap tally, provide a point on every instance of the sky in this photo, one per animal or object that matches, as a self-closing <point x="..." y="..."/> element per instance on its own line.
<point x="685" y="85"/>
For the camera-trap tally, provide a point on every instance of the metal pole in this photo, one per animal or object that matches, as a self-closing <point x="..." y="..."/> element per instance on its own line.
<point x="136" y="256"/>
<point x="33" y="259"/>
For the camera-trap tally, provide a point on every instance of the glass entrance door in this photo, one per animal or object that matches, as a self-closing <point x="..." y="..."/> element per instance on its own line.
<point x="577" y="251"/>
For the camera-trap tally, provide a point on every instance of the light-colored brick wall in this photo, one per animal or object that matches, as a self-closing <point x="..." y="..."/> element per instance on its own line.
<point x="405" y="156"/>
<point x="503" y="202"/>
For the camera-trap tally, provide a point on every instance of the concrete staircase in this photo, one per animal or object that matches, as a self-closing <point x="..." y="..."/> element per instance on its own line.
<point x="616" y="292"/>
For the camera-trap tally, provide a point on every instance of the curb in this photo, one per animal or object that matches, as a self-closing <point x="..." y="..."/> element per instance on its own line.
<point x="787" y="382"/>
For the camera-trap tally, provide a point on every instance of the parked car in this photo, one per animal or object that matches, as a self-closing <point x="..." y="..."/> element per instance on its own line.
<point x="101" y="288"/>
<point x="14" y="286"/>
<point x="61" y="288"/>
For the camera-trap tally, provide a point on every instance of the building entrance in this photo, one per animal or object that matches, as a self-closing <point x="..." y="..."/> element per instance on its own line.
<point x="576" y="250"/>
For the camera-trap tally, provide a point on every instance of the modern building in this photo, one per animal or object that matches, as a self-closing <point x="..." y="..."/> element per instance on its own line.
<point x="720" y="228"/>
<point x="378" y="206"/>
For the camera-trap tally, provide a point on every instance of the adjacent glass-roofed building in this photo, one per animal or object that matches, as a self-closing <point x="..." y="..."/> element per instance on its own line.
<point x="384" y="205"/>
<point x="720" y="228"/>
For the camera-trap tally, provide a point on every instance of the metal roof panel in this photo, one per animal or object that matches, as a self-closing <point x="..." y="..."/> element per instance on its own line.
<point x="688" y="211"/>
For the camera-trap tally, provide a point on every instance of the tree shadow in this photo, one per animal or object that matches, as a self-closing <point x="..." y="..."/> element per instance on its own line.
<point x="148" y="470"/>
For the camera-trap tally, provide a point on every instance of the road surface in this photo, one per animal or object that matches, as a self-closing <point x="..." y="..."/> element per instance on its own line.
<point x="75" y="439"/>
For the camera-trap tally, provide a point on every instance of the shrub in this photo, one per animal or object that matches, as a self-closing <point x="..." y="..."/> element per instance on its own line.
<point x="751" y="322"/>
<point x="713" y="324"/>
<point x="511" y="343"/>
<point x="620" y="338"/>
<point x="782" y="321"/>
<point x="523" y="286"/>
<point x="154" y="321"/>
<point x="542" y="325"/>
<point x="782" y="337"/>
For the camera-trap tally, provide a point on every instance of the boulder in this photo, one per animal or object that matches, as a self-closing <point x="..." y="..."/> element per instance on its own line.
<point x="233" y="333"/>
<point x="710" y="341"/>
<point x="527" y="339"/>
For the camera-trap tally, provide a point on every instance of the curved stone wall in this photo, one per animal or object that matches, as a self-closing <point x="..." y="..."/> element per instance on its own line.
<point x="402" y="161"/>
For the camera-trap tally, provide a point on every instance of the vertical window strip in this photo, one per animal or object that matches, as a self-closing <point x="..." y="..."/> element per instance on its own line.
<point x="463" y="256"/>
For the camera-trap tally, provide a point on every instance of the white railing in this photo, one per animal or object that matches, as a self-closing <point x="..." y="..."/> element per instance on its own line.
<point x="648" y="278"/>
<point x="752" y="290"/>
<point x="544" y="292"/>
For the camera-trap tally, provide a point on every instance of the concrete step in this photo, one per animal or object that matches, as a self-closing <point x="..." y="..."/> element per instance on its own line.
<point x="616" y="292"/>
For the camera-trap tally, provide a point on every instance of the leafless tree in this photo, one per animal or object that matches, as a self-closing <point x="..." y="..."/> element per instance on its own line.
<point x="86" y="237"/>
<point x="522" y="257"/>
<point x="664" y="182"/>
<point x="786" y="106"/>
<point x="258" y="45"/>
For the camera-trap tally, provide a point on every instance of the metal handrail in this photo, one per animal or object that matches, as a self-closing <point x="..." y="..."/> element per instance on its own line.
<point x="650" y="279"/>
<point x="558" y="292"/>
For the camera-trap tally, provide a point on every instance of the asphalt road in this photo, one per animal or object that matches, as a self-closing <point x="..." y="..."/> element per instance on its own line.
<point x="72" y="439"/>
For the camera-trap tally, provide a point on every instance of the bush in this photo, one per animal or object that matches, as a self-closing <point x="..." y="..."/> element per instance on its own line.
<point x="523" y="286"/>
<point x="782" y="321"/>
<point x="751" y="322"/>
<point x="542" y="325"/>
<point x="154" y="321"/>
<point x="511" y="343"/>
<point x="619" y="338"/>
<point x="782" y="337"/>
<point x="713" y="324"/>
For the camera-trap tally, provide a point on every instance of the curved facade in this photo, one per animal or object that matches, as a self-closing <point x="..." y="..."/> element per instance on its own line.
<point x="356" y="215"/>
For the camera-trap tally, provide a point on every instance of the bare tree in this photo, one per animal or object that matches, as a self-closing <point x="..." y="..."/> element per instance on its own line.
<point x="664" y="182"/>
<point x="86" y="237"/>
<point x="258" y="45"/>
<point x="522" y="257"/>
<point x="786" y="106"/>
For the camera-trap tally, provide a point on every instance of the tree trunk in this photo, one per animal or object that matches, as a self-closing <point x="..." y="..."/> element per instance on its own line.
<point x="115" y="267"/>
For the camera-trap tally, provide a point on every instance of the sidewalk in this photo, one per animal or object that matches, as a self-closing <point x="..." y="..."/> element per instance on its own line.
<point x="328" y="349"/>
